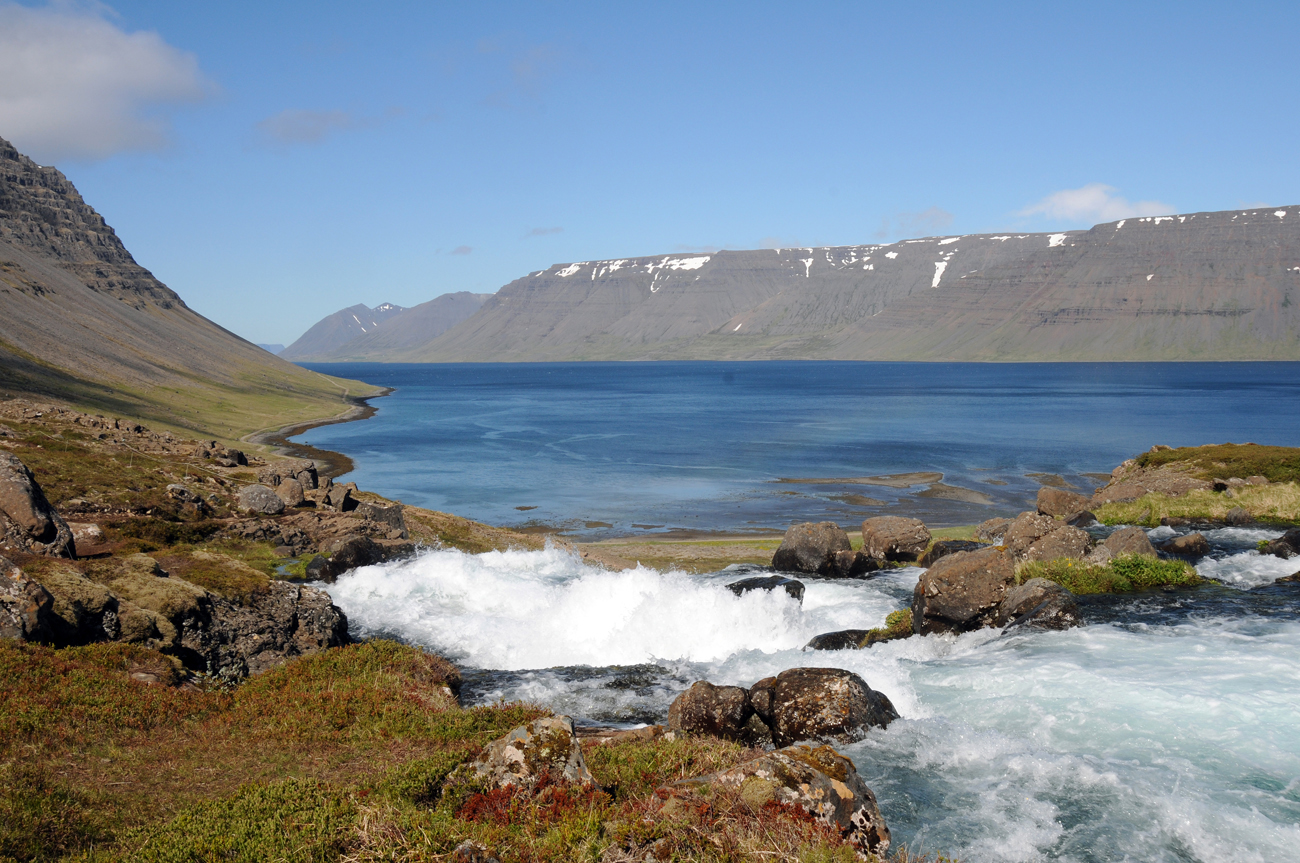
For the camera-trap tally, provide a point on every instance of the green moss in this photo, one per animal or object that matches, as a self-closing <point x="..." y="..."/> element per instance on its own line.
<point x="1124" y="574"/>
<point x="420" y="782"/>
<point x="1276" y="463"/>
<point x="897" y="625"/>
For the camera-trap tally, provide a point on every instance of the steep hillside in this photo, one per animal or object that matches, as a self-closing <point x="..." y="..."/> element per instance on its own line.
<point x="396" y="334"/>
<point x="1204" y="286"/>
<point x="81" y="321"/>
<point x="336" y="330"/>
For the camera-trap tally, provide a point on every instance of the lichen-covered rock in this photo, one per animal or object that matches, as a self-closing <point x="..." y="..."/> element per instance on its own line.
<point x="891" y="537"/>
<point x="811" y="547"/>
<point x="962" y="591"/>
<point x="1039" y="537"/>
<point x="27" y="521"/>
<point x="791" y="586"/>
<point x="944" y="547"/>
<point x="290" y="491"/>
<point x="1039" y="604"/>
<point x="261" y="500"/>
<point x="1194" y="545"/>
<point x="391" y="517"/>
<point x="1059" y="502"/>
<point x="717" y="711"/>
<point x="1130" y="540"/>
<point x="25" y="606"/>
<point x="545" y="747"/>
<point x="827" y="704"/>
<point x="817" y="779"/>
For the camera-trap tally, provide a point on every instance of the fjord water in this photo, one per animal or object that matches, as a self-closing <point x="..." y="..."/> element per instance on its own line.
<point x="1166" y="729"/>
<point x="700" y="446"/>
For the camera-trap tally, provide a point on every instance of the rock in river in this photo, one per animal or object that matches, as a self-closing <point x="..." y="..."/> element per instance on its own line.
<point x="944" y="547"/>
<point x="811" y="547"/>
<point x="1039" y="604"/>
<point x="962" y="591"/>
<point x="1191" y="545"/>
<point x="718" y="711"/>
<point x="1130" y="540"/>
<point x="828" y="704"/>
<point x="891" y="537"/>
<point x="791" y="586"/>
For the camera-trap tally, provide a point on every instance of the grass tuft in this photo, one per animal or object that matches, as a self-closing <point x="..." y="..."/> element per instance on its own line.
<point x="1124" y="574"/>
<point x="1275" y="463"/>
<point x="1279" y="502"/>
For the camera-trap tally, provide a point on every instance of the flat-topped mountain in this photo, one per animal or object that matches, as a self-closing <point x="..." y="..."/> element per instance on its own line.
<point x="80" y="320"/>
<point x="343" y="337"/>
<point x="1204" y="286"/>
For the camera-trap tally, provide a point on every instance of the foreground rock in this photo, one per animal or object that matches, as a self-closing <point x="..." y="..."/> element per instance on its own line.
<point x="1285" y="546"/>
<point x="716" y="711"/>
<point x="816" y="779"/>
<point x="1039" y="604"/>
<point x="944" y="547"/>
<point x="890" y="537"/>
<point x="962" y="591"/>
<point x="27" y="521"/>
<point x="1130" y="540"/>
<point x="546" y="748"/>
<point x="769" y="583"/>
<point x="25" y="606"/>
<point x="827" y="704"/>
<point x="811" y="547"/>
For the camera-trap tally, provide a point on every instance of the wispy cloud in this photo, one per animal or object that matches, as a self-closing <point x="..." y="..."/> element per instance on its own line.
<point x="542" y="232"/>
<point x="76" y="86"/>
<point x="301" y="126"/>
<point x="527" y="73"/>
<point x="1095" y="202"/>
<point x="462" y="250"/>
<point x="926" y="222"/>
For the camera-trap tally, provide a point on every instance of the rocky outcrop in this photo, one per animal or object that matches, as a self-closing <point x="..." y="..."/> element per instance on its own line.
<point x="1286" y="546"/>
<point x="1130" y="540"/>
<point x="818" y="780"/>
<point x="1039" y="604"/>
<point x="827" y="704"/>
<point x="1192" y="545"/>
<point x="545" y="748"/>
<point x="301" y="470"/>
<point x="944" y="547"/>
<point x="25" y="606"/>
<point x="716" y="711"/>
<point x="1038" y="537"/>
<point x="353" y="551"/>
<point x="811" y="547"/>
<point x="27" y="521"/>
<point x="963" y="591"/>
<point x="791" y="586"/>
<point x="390" y="516"/>
<point x="260" y="500"/>
<point x="1059" y="502"/>
<point x="890" y="537"/>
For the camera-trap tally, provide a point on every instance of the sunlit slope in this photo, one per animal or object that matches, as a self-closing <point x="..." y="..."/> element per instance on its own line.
<point x="1203" y="286"/>
<point x="80" y="320"/>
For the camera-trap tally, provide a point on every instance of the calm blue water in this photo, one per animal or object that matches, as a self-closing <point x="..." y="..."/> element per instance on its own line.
<point x="605" y="449"/>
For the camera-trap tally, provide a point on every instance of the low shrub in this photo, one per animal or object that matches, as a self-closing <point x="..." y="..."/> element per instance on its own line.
<point x="41" y="818"/>
<point x="1124" y="574"/>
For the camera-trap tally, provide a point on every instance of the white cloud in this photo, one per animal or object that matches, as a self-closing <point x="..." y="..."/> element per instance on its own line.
<point x="462" y="250"/>
<point x="75" y="86"/>
<point x="296" y="126"/>
<point x="1095" y="202"/>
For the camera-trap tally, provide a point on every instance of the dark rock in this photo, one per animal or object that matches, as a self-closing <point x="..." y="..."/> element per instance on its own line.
<point x="771" y="582"/>
<point x="1293" y="578"/>
<point x="891" y="537"/>
<point x="962" y="591"/>
<point x="845" y="639"/>
<point x="290" y="491"/>
<point x="26" y="608"/>
<point x="944" y="547"/>
<point x="547" y="747"/>
<point x="1238" y="517"/>
<point x="819" y="704"/>
<point x="716" y="711"/>
<point x="1081" y="519"/>
<point x="1191" y="545"/>
<point x="811" y="547"/>
<point x="1285" y="546"/>
<point x="853" y="564"/>
<point x="340" y="497"/>
<point x="992" y="530"/>
<point x="1130" y="540"/>
<point x="261" y="500"/>
<point x="818" y="780"/>
<point x="1059" y="502"/>
<point x="1039" y="604"/>
<point x="318" y="569"/>
<point x="27" y="521"/>
<point x="392" y="516"/>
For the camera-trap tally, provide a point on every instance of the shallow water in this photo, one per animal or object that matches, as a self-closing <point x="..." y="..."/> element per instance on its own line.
<point x="1168" y="728"/>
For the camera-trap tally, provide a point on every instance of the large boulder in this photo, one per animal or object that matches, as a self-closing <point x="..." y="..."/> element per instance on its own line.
<point x="816" y="779"/>
<point x="261" y="500"/>
<point x="962" y="591"/>
<point x="1059" y="502"/>
<point x="811" y="547"/>
<point x="944" y="547"/>
<point x="1130" y="540"/>
<point x="1039" y="604"/>
<point x="1285" y="546"/>
<point x="1193" y="545"/>
<point x="1039" y="537"/>
<point x="391" y="517"/>
<point x="290" y="491"/>
<point x="545" y="748"/>
<point x="717" y="711"/>
<point x="791" y="586"/>
<point x="992" y="530"/>
<point x="25" y="606"/>
<point x="827" y="704"/>
<point x="891" y="537"/>
<point x="27" y="521"/>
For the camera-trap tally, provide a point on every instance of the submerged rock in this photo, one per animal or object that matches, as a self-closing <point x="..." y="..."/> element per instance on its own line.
<point x="962" y="591"/>
<point x="811" y="547"/>
<point x="818" y="780"/>
<point x="1039" y="604"/>
<point x="890" y="537"/>
<point x="791" y="586"/>
<point x="828" y="704"/>
<point x="718" y="711"/>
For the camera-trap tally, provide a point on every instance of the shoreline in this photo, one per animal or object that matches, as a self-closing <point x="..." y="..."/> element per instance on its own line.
<point x="328" y="462"/>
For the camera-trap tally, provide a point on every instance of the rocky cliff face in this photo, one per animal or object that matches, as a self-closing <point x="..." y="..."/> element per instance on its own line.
<point x="1199" y="286"/>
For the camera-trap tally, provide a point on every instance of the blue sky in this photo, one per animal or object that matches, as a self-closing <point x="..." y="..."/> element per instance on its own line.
<point x="273" y="163"/>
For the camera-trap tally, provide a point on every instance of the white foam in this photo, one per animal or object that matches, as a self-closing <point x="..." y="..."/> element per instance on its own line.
<point x="1247" y="569"/>
<point x="1055" y="240"/>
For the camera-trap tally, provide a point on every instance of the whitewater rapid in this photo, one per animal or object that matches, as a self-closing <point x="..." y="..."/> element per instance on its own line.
<point x="1167" y="729"/>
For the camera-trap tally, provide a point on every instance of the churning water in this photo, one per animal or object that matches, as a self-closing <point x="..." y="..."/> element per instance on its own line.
<point x="1167" y="729"/>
